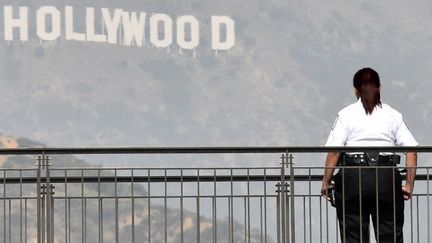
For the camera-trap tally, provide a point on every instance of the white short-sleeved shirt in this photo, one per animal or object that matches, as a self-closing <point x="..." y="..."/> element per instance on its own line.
<point x="384" y="127"/>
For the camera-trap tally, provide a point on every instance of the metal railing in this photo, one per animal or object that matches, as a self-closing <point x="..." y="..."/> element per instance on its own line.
<point x="280" y="203"/>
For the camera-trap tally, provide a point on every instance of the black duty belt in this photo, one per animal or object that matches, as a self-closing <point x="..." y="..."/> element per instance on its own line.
<point x="369" y="159"/>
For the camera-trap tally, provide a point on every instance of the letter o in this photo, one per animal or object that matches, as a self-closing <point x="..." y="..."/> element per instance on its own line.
<point x="41" y="29"/>
<point x="154" y="30"/>
<point x="181" y="32"/>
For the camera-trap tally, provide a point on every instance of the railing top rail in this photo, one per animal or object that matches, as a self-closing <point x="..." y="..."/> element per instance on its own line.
<point x="209" y="150"/>
<point x="172" y="178"/>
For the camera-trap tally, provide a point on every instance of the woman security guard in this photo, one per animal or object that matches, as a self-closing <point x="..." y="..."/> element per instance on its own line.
<point x="358" y="192"/>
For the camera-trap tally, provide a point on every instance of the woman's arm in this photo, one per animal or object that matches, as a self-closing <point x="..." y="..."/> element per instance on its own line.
<point x="411" y="163"/>
<point x="331" y="162"/>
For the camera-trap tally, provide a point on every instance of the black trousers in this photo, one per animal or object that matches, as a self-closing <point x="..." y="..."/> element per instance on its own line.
<point x="361" y="194"/>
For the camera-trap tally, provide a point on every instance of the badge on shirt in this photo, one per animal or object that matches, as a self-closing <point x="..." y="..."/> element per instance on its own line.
<point x="335" y="122"/>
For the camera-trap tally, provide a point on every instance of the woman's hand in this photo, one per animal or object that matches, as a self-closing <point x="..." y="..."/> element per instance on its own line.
<point x="326" y="189"/>
<point x="407" y="191"/>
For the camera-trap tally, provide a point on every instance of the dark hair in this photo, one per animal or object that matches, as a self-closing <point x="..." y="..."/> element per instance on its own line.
<point x="367" y="83"/>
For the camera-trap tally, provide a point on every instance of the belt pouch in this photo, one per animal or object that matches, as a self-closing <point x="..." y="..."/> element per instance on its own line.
<point x="372" y="158"/>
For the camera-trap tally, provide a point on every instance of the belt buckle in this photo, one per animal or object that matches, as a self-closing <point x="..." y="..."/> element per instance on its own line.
<point x="372" y="158"/>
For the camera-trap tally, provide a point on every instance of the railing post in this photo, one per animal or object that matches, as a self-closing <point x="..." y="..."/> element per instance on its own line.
<point x="283" y="204"/>
<point x="278" y="212"/>
<point x="290" y="159"/>
<point x="45" y="202"/>
<point x="39" y="192"/>
<point x="49" y="202"/>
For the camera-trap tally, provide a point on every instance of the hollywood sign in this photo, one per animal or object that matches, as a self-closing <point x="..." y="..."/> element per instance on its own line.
<point x="118" y="27"/>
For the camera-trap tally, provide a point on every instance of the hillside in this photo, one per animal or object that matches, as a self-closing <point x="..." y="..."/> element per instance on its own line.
<point x="74" y="207"/>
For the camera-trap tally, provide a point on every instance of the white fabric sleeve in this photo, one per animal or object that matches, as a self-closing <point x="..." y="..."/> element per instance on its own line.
<point x="338" y="134"/>
<point x="404" y="136"/>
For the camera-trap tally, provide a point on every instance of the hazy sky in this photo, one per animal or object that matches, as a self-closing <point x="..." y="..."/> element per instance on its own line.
<point x="282" y="83"/>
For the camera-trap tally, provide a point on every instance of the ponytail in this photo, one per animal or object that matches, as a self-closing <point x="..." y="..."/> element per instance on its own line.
<point x="366" y="82"/>
<point x="370" y="97"/>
